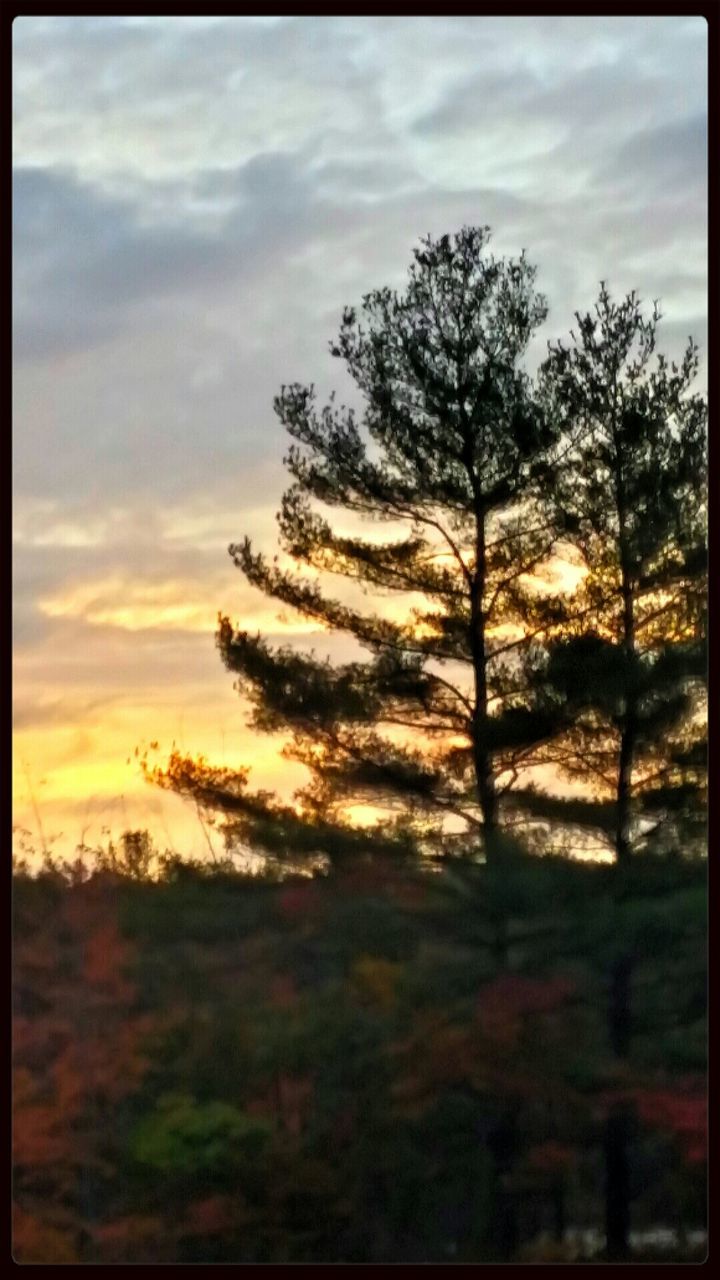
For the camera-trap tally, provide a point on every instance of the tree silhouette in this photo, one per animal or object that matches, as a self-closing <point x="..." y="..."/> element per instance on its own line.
<point x="627" y="674"/>
<point x="451" y="447"/>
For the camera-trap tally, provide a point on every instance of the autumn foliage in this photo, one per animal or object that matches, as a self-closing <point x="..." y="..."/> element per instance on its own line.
<point x="219" y="1068"/>
<point x="79" y="1053"/>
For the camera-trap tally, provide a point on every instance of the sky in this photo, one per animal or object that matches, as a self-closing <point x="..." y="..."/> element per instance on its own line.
<point x="195" y="200"/>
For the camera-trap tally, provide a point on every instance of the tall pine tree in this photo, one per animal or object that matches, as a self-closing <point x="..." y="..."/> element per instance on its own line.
<point x="627" y="674"/>
<point x="450" y="447"/>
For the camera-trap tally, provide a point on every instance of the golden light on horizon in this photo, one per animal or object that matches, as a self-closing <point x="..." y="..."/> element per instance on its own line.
<point x="181" y="605"/>
<point x="78" y="771"/>
<point x="75" y="766"/>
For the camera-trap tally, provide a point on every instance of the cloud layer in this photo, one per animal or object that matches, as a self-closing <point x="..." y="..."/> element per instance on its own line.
<point x="194" y="202"/>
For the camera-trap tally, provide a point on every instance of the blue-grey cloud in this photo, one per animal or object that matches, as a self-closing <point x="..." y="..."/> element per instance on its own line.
<point x="668" y="159"/>
<point x="83" y="260"/>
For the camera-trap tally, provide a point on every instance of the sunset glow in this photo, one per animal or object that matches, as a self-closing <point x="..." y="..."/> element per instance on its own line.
<point x="195" y="202"/>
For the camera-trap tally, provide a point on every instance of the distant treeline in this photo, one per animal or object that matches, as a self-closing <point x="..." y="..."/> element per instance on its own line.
<point x="356" y="1067"/>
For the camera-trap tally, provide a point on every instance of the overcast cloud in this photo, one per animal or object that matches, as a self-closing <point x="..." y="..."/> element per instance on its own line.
<point x="195" y="200"/>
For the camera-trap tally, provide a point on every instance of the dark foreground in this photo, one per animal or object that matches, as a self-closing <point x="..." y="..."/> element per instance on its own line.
<point x="379" y="1065"/>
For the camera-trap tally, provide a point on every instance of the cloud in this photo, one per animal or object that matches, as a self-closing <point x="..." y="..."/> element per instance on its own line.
<point x="665" y="160"/>
<point x="84" y="261"/>
<point x="58" y="710"/>
<point x="190" y="605"/>
<point x="136" y="96"/>
<point x="194" y="202"/>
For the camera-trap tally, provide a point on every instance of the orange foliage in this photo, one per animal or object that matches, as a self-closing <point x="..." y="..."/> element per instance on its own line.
<point x="294" y="1095"/>
<point x="73" y="1061"/>
<point x="439" y="1054"/>
<point x="505" y="1002"/>
<point x="287" y="1100"/>
<point x="298" y="901"/>
<point x="551" y="1157"/>
<point x="106" y="954"/>
<point x="283" y="991"/>
<point x="35" y="1239"/>
<point x="128" y="1238"/>
<point x="376" y="979"/>
<point x="213" y="1215"/>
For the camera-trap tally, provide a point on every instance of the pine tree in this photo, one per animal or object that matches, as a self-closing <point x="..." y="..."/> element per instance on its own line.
<point x="450" y="447"/>
<point x="627" y="674"/>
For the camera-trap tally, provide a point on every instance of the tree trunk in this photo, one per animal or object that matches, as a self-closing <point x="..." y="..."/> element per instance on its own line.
<point x="481" y="754"/>
<point x="558" y="1199"/>
<point x="617" y="1129"/>
<point x="617" y="1125"/>
<point x="617" y="1186"/>
<point x="505" y="1224"/>
<point x="629" y="726"/>
<point x="622" y="829"/>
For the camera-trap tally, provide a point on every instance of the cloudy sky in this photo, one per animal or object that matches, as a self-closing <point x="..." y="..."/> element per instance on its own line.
<point x="195" y="200"/>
